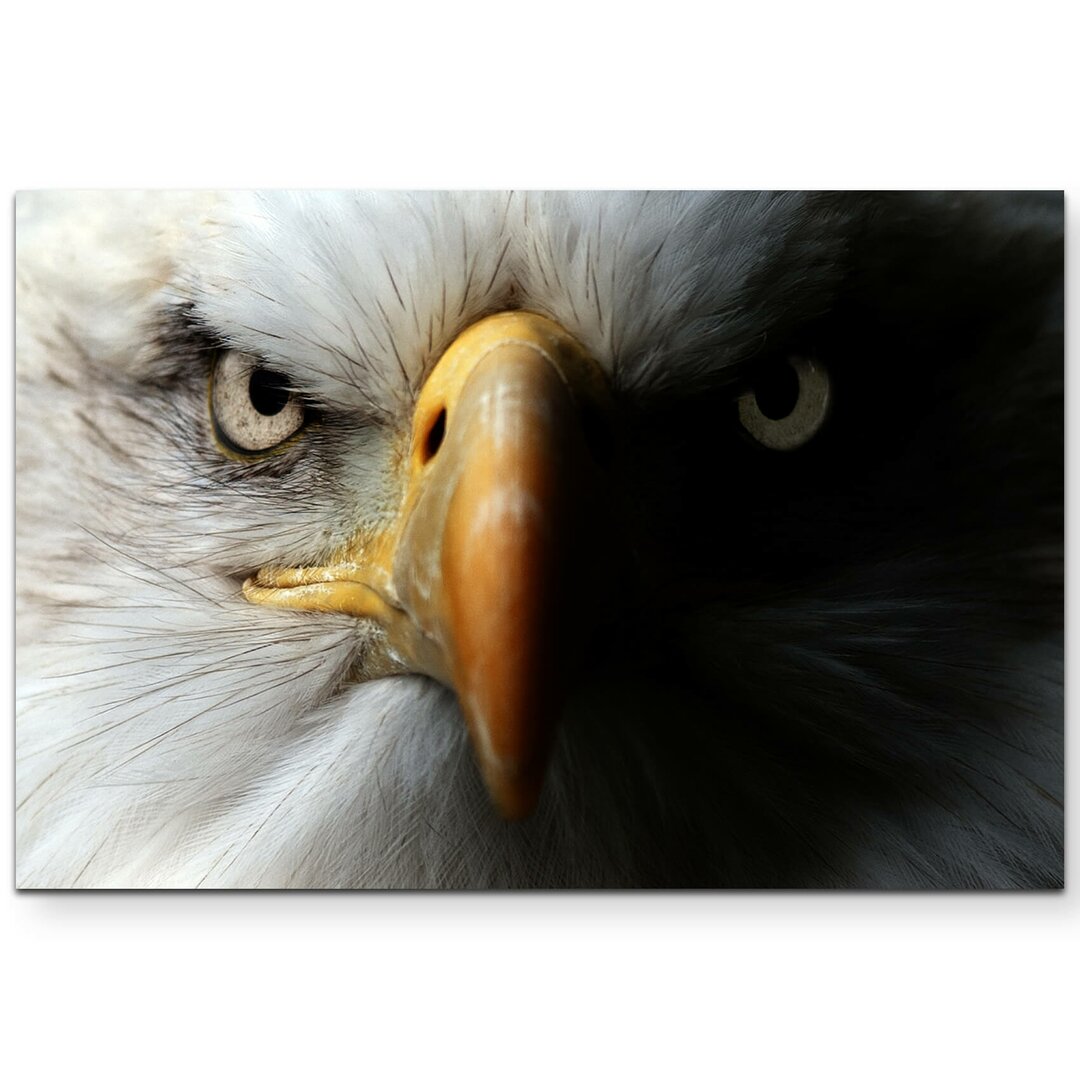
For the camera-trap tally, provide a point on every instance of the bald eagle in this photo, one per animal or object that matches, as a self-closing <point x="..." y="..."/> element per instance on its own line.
<point x="539" y="539"/>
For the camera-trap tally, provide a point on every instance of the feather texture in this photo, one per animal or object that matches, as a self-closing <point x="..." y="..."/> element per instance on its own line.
<point x="848" y="672"/>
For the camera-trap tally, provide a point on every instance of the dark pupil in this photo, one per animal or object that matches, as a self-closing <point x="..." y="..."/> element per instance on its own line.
<point x="777" y="393"/>
<point x="269" y="392"/>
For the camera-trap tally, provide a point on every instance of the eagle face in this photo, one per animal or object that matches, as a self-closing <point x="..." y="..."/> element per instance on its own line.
<point x="539" y="539"/>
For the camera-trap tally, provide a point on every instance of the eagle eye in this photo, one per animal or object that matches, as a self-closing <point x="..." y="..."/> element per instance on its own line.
<point x="785" y="407"/>
<point x="253" y="408"/>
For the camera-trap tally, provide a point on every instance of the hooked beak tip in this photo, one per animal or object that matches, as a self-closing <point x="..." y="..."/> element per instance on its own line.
<point x="514" y="792"/>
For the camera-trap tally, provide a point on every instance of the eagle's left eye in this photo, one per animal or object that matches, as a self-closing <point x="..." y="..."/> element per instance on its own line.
<point x="252" y="407"/>
<point x="787" y="403"/>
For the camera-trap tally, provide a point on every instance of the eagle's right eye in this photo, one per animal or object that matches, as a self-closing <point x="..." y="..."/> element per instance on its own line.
<point x="253" y="408"/>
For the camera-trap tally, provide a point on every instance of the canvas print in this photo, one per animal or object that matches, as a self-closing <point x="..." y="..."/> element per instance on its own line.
<point x="539" y="539"/>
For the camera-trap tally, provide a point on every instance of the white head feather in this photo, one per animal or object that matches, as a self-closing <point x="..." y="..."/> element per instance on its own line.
<point x="172" y="734"/>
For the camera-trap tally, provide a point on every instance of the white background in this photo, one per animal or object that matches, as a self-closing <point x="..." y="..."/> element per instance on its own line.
<point x="565" y="95"/>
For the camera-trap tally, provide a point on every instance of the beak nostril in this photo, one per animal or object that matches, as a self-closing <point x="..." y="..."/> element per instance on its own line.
<point x="435" y="436"/>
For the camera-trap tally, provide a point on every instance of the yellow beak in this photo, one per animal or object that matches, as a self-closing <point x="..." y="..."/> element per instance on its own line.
<point x="474" y="579"/>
